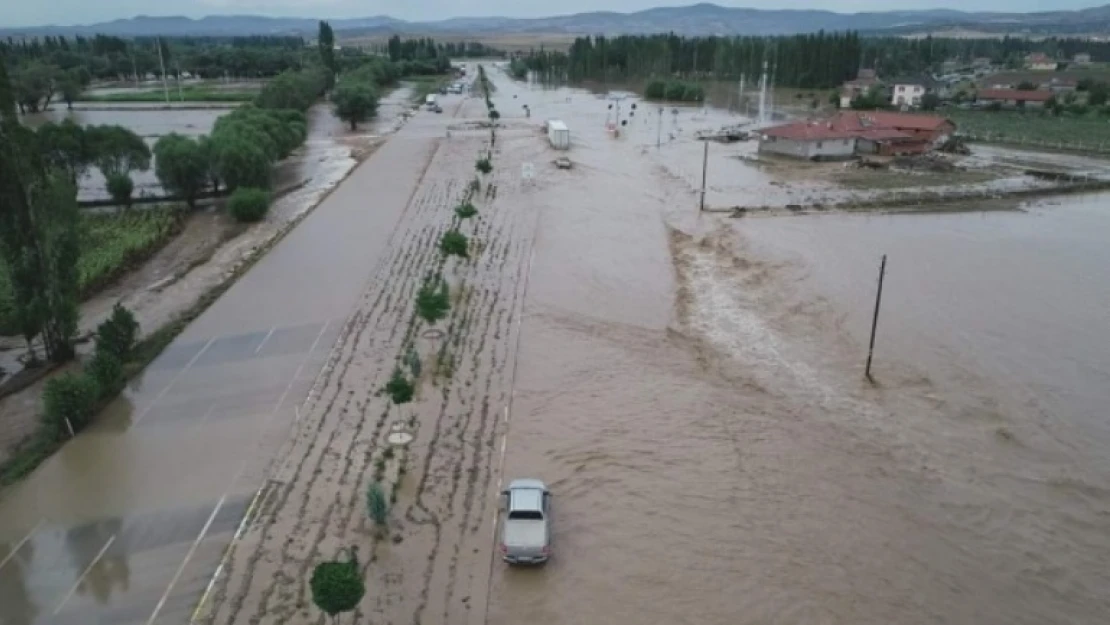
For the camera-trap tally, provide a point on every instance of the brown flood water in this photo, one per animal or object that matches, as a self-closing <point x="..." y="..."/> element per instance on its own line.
<point x="716" y="456"/>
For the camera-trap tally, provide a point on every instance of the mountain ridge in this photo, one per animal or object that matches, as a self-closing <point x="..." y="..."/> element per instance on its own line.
<point x="697" y="19"/>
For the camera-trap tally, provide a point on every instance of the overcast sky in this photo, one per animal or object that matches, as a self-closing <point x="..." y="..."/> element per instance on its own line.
<point x="15" y="13"/>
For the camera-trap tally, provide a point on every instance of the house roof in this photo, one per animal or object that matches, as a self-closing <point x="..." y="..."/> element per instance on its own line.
<point x="924" y="81"/>
<point x="1014" y="94"/>
<point x="872" y="125"/>
<point x="809" y="131"/>
<point x="889" y="119"/>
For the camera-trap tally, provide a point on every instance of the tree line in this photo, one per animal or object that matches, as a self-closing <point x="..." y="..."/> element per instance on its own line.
<point x="811" y="61"/>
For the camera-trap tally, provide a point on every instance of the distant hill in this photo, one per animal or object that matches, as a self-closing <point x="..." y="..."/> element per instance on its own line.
<point x="698" y="19"/>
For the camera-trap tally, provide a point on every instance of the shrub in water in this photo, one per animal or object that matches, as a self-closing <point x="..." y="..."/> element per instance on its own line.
<point x="484" y="165"/>
<point x="71" y="397"/>
<point x="107" y="369"/>
<point x="377" y="504"/>
<point x="248" y="205"/>
<point x="118" y="333"/>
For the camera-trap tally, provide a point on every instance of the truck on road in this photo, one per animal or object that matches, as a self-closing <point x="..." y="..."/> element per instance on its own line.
<point x="558" y="134"/>
<point x="526" y="531"/>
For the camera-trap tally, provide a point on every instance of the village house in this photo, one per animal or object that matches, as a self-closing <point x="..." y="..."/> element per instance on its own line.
<point x="1014" y="98"/>
<point x="850" y="133"/>
<point x="908" y="92"/>
<point x="1082" y="59"/>
<point x="865" y="80"/>
<point x="1040" y="62"/>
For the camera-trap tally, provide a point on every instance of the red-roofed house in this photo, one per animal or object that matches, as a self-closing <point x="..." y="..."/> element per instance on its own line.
<point x="857" y="132"/>
<point x="1014" y="97"/>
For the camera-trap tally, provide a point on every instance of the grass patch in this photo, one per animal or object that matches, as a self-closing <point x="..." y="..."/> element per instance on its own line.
<point x="187" y="94"/>
<point x="872" y="180"/>
<point x="1088" y="133"/>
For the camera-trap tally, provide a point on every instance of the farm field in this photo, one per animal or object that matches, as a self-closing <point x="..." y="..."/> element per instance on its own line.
<point x="1034" y="129"/>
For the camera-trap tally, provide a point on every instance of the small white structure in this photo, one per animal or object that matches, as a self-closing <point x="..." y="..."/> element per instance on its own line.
<point x="430" y="100"/>
<point x="558" y="134"/>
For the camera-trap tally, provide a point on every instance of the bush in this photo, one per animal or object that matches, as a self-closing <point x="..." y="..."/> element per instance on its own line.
<point x="248" y="205"/>
<point x="655" y="90"/>
<point x="118" y="333"/>
<point x="484" y="165"/>
<point x="71" y="397"/>
<point x="466" y="210"/>
<point x="399" y="389"/>
<point x="433" y="301"/>
<point x="337" y="586"/>
<point x="454" y="243"/>
<point x="107" y="370"/>
<point x="120" y="188"/>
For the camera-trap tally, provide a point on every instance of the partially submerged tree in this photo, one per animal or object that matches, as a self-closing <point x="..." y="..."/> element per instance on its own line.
<point x="182" y="166"/>
<point x="483" y="165"/>
<point x="337" y="586"/>
<point x="399" y="389"/>
<point x="465" y="210"/>
<point x="118" y="150"/>
<point x="355" y="102"/>
<point x="454" y="243"/>
<point x="433" y="301"/>
<point x="66" y="146"/>
<point x="377" y="504"/>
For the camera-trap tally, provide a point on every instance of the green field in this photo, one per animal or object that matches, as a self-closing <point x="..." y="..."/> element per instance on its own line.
<point x="423" y="85"/>
<point x="1088" y="133"/>
<point x="187" y="94"/>
<point x="110" y="246"/>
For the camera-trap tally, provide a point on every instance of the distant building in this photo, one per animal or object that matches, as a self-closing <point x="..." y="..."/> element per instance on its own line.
<point x="1014" y="98"/>
<point x="1040" y="62"/>
<point x="1060" y="85"/>
<point x="982" y="62"/>
<point x="857" y="132"/>
<point x="1082" y="59"/>
<point x="864" y="82"/>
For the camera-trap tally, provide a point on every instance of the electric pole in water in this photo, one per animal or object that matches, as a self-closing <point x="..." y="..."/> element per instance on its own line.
<point x="704" y="163"/>
<point x="875" y="320"/>
<point x="659" y="129"/>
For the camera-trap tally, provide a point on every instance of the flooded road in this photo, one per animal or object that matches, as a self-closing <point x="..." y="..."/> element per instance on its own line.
<point x="695" y="399"/>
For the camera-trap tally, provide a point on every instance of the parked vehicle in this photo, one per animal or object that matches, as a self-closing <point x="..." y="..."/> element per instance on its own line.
<point x="430" y="101"/>
<point x="526" y="531"/>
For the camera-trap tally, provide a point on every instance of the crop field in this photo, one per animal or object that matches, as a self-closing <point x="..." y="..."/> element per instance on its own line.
<point x="1033" y="129"/>
<point x="110" y="246"/>
<point x="192" y="93"/>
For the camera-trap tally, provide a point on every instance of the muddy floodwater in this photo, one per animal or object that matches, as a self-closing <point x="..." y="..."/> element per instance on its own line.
<point x="689" y="386"/>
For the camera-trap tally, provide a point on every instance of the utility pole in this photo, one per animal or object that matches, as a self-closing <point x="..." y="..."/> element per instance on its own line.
<point x="659" y="129"/>
<point x="162" y="63"/>
<point x="180" y="96"/>
<point x="875" y="320"/>
<point x="704" y="163"/>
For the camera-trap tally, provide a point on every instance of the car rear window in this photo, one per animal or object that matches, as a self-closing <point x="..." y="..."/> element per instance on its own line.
<point x="531" y="515"/>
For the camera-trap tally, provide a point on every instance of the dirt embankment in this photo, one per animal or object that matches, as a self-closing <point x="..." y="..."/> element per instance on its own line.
<point x="435" y="560"/>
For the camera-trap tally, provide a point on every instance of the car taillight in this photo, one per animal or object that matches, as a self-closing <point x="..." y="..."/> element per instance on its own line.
<point x="546" y="550"/>
<point x="504" y="548"/>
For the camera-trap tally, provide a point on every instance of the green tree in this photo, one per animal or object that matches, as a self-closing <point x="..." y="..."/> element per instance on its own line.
<point x="57" y="218"/>
<point x="454" y="243"/>
<point x="240" y="161"/>
<point x="433" y="301"/>
<point x="465" y="210"/>
<point x="377" y="504"/>
<point x="35" y="85"/>
<point x="69" y="402"/>
<point x="930" y="102"/>
<point x="399" y="389"/>
<point x="120" y="188"/>
<point x="107" y="369"/>
<point x="325" y="42"/>
<point x="354" y="103"/>
<point x="118" y="150"/>
<point x="182" y="166"/>
<point x="118" y="333"/>
<point x="483" y="165"/>
<point x="248" y="205"/>
<point x="337" y="587"/>
<point x="70" y="86"/>
<point x="66" y="146"/>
